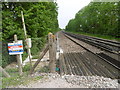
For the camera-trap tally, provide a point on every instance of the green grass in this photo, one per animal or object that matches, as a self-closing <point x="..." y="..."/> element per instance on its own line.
<point x="35" y="57"/>
<point x="16" y="79"/>
<point x="24" y="56"/>
<point x="38" y="78"/>
<point x="44" y="69"/>
<point x="97" y="35"/>
<point x="26" y="68"/>
<point x="19" y="80"/>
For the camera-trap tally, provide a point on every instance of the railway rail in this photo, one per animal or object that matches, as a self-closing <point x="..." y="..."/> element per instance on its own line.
<point x="86" y="63"/>
<point x="108" y="45"/>
<point x="113" y="61"/>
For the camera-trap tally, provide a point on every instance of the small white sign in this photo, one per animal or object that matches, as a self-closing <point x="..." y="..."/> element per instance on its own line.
<point x="15" y="48"/>
<point x="29" y="42"/>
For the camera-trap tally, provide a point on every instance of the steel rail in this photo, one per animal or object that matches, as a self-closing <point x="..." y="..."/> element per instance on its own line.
<point x="111" y="46"/>
<point x="94" y="53"/>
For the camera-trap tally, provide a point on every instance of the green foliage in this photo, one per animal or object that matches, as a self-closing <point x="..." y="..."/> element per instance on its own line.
<point x="6" y="58"/>
<point x="0" y="36"/>
<point x="16" y="80"/>
<point x="37" y="45"/>
<point x="97" y="18"/>
<point x="35" y="57"/>
<point x="40" y="18"/>
<point x="24" y="55"/>
<point x="97" y="35"/>
<point x="44" y="69"/>
<point x="38" y="78"/>
<point x="12" y="70"/>
<point x="10" y="27"/>
<point x="26" y="68"/>
<point x="10" y="81"/>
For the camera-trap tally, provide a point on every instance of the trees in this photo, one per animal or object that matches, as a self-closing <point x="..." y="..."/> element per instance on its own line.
<point x="40" y="18"/>
<point x="98" y="18"/>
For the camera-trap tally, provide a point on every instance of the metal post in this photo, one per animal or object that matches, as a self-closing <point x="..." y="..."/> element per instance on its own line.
<point x="21" y="58"/>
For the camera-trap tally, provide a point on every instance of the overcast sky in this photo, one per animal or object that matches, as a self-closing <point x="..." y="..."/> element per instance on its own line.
<point x="67" y="10"/>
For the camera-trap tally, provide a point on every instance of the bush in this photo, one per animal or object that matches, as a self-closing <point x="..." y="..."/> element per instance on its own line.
<point x="37" y="45"/>
<point x="6" y="58"/>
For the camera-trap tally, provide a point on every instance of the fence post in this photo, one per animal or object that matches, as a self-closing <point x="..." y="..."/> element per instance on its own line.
<point x="52" y="52"/>
<point x="18" y="58"/>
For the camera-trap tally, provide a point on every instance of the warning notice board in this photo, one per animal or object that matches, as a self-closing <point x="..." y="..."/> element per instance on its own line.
<point x="15" y="48"/>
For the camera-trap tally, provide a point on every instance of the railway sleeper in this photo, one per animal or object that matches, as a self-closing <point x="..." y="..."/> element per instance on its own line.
<point x="67" y="65"/>
<point x="112" y="70"/>
<point x="71" y="64"/>
<point x="91" y="67"/>
<point x="88" y="71"/>
<point x="110" y="59"/>
<point x="76" y="67"/>
<point x="62" y="65"/>
<point x="94" y="66"/>
<point x="83" y="68"/>
<point x="102" y="71"/>
<point x="79" y="62"/>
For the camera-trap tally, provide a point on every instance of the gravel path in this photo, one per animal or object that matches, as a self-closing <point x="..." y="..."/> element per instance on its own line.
<point x="67" y="45"/>
<point x="71" y="81"/>
<point x="88" y="46"/>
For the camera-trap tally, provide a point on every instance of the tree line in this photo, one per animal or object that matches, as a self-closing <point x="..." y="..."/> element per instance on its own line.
<point x="97" y="18"/>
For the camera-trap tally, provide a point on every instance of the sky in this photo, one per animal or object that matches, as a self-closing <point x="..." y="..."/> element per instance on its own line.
<point x="67" y="10"/>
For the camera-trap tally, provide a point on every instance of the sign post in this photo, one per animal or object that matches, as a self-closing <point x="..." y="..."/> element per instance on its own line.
<point x="16" y="48"/>
<point x="18" y="58"/>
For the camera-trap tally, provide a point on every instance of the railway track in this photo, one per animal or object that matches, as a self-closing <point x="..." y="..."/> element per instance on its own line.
<point x="107" y="56"/>
<point x="86" y="63"/>
<point x="108" y="45"/>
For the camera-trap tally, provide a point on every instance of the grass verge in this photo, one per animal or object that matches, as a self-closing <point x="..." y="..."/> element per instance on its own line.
<point x="16" y="79"/>
<point x="97" y="35"/>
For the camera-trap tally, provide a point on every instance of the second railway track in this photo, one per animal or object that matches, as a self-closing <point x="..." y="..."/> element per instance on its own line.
<point x="108" y="56"/>
<point x="108" y="45"/>
<point x="86" y="63"/>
